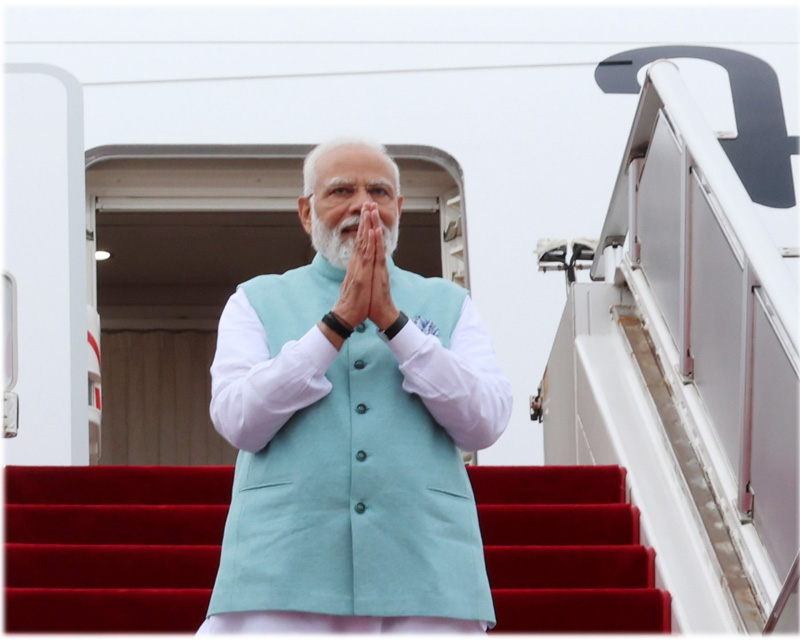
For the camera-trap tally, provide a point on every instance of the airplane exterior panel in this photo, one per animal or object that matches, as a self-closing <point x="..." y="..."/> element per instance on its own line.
<point x="44" y="251"/>
<point x="509" y="93"/>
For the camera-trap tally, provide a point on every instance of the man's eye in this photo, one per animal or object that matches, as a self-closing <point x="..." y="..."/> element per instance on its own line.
<point x="379" y="192"/>
<point x="342" y="191"/>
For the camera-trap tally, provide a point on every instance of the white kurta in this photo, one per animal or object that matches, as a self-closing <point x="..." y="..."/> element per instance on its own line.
<point x="254" y="395"/>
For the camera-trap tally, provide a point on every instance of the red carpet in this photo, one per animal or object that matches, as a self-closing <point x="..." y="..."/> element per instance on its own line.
<point x="135" y="549"/>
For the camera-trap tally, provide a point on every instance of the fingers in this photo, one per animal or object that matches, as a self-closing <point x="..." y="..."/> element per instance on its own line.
<point x="380" y="251"/>
<point x="369" y="251"/>
<point x="368" y="207"/>
<point x="356" y="291"/>
<point x="362" y="236"/>
<point x="368" y="222"/>
<point x="382" y="310"/>
<point x="369" y="256"/>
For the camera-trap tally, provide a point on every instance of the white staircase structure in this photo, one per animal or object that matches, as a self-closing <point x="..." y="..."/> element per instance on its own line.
<point x="680" y="362"/>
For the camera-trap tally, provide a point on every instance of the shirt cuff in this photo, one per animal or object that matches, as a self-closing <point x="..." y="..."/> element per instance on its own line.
<point x="407" y="342"/>
<point x="318" y="348"/>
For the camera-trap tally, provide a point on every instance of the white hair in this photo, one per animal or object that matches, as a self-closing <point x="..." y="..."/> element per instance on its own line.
<point x="310" y="163"/>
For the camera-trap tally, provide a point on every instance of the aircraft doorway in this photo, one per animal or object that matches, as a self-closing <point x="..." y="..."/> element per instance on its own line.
<point x="184" y="227"/>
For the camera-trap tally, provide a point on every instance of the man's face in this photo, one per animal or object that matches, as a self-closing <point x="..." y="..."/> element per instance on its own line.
<point x="347" y="177"/>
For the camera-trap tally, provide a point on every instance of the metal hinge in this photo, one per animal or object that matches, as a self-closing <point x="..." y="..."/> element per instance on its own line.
<point x="536" y="407"/>
<point x="636" y="252"/>
<point x="10" y="414"/>
<point x="687" y="368"/>
<point x="747" y="502"/>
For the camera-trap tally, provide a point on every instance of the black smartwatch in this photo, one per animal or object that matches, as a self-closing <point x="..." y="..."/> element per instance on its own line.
<point x="393" y="329"/>
<point x="331" y="321"/>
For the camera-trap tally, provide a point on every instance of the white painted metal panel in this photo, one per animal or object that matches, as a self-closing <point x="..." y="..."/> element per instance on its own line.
<point x="660" y="207"/>
<point x="775" y="441"/>
<point x="717" y="283"/>
<point x="558" y="393"/>
<point x="44" y="251"/>
<point x="622" y="428"/>
<point x="587" y="312"/>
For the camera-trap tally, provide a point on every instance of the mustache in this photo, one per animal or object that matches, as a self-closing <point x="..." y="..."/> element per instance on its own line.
<point x="354" y="221"/>
<point x="350" y="221"/>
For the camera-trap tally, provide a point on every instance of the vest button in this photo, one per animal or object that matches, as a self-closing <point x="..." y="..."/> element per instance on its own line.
<point x="361" y="328"/>
<point x="359" y="364"/>
<point x="361" y="456"/>
<point x="362" y="408"/>
<point x="360" y="507"/>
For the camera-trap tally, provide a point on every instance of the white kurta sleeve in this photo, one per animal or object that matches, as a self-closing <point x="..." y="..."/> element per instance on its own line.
<point x="253" y="394"/>
<point x="463" y="386"/>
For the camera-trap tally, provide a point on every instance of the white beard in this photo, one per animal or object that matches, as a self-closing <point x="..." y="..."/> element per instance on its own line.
<point x="329" y="243"/>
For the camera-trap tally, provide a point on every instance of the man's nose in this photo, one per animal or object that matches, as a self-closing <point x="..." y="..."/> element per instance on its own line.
<point x="361" y="196"/>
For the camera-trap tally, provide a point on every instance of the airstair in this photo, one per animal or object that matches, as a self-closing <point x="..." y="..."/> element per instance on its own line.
<point x="680" y="362"/>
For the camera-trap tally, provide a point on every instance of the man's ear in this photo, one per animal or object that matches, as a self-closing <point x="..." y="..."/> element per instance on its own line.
<point x="304" y="213"/>
<point x="399" y="206"/>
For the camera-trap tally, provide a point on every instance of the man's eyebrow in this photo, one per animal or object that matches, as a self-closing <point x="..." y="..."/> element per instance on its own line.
<point x="380" y="182"/>
<point x="337" y="182"/>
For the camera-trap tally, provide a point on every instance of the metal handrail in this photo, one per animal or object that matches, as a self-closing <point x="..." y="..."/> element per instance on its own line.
<point x="783" y="597"/>
<point x="665" y="89"/>
<point x="10" y="328"/>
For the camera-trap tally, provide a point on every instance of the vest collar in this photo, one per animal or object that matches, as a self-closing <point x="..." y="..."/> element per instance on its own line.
<point x="326" y="269"/>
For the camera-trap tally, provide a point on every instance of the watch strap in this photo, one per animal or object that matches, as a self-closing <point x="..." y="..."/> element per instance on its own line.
<point x="331" y="321"/>
<point x="393" y="329"/>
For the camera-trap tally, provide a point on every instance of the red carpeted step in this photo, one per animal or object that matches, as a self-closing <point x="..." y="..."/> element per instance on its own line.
<point x="85" y="566"/>
<point x="195" y="566"/>
<point x="559" y="524"/>
<point x="119" y="485"/>
<point x="105" y="610"/>
<point x="199" y="524"/>
<point x="612" y="567"/>
<point x="582" y="610"/>
<point x="183" y="610"/>
<point x="548" y="485"/>
<point x="212" y="485"/>
<point x="112" y="524"/>
<point x="138" y="549"/>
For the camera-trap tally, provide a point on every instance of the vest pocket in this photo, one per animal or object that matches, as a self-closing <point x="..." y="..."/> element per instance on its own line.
<point x="447" y="492"/>
<point x="267" y="485"/>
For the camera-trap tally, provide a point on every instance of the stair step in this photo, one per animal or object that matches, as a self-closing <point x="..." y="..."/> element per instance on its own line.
<point x="570" y="567"/>
<point x="113" y="524"/>
<point x="204" y="524"/>
<point x="119" y="485"/>
<point x="611" y="524"/>
<point x="183" y="610"/>
<point x="548" y="485"/>
<point x="83" y="566"/>
<point x="105" y="610"/>
<point x="212" y="485"/>
<point x="582" y="610"/>
<point x="195" y="566"/>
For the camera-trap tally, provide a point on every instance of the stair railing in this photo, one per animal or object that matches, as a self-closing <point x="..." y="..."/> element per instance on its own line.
<point x="788" y="591"/>
<point x="725" y="293"/>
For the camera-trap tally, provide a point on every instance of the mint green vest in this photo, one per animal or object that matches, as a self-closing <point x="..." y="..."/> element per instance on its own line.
<point x="360" y="505"/>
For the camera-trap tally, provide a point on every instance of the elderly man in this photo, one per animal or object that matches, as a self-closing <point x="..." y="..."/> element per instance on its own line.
<point x="349" y="386"/>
